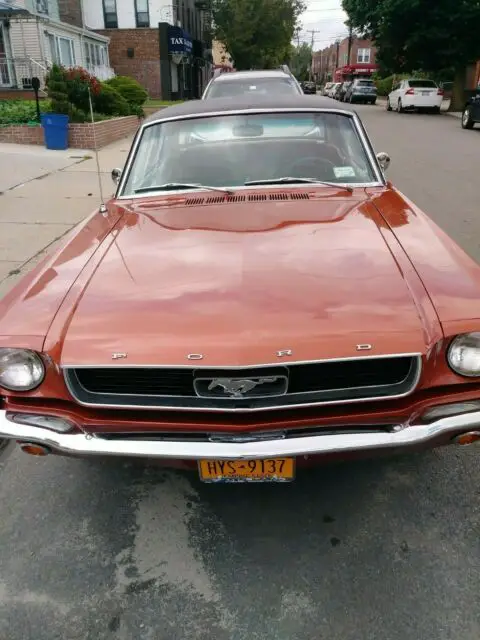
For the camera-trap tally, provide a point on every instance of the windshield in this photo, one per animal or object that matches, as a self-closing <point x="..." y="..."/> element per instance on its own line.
<point x="422" y="83"/>
<point x="252" y="86"/>
<point x="231" y="150"/>
<point x="365" y="83"/>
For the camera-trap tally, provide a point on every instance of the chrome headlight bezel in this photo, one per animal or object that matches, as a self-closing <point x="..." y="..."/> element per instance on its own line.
<point x="12" y="357"/>
<point x="465" y="345"/>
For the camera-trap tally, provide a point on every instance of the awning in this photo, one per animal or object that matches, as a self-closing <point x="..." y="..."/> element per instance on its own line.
<point x="7" y="11"/>
<point x="358" y="68"/>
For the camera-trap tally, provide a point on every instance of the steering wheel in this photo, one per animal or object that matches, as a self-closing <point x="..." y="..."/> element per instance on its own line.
<point x="322" y="168"/>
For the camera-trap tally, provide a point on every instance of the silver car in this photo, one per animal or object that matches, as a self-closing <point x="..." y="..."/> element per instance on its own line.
<point x="265" y="82"/>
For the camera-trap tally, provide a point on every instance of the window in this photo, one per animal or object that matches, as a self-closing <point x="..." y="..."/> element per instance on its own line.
<point x="42" y="6"/>
<point x="62" y="50"/>
<point x="95" y="54"/>
<point x="86" y="53"/>
<point x="363" y="55"/>
<point x="142" y="16"/>
<point x="256" y="86"/>
<point x="110" y="14"/>
<point x="199" y="150"/>
<point x="422" y="84"/>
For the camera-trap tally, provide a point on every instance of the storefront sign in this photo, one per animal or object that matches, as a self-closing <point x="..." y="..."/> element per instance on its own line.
<point x="179" y="42"/>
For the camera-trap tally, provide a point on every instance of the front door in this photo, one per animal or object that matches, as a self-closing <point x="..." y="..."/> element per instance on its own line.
<point x="5" y="61"/>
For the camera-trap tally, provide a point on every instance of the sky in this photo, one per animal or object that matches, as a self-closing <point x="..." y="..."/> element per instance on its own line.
<point x="327" y="18"/>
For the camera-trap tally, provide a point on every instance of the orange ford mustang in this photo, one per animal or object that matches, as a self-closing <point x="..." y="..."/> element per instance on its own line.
<point x="255" y="297"/>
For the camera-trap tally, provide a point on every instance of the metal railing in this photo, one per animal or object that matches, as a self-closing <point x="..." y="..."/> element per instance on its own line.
<point x="17" y="73"/>
<point x="101" y="72"/>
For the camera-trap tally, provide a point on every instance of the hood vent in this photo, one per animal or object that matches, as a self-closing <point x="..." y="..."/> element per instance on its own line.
<point x="256" y="197"/>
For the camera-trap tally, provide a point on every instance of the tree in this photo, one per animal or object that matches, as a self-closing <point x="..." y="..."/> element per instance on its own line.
<point x="301" y="60"/>
<point x="421" y="34"/>
<point x="256" y="33"/>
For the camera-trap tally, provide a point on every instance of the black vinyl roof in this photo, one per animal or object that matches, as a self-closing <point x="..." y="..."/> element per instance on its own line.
<point x="238" y="103"/>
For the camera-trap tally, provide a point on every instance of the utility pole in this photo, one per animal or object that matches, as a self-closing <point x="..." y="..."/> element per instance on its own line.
<point x="313" y="32"/>
<point x="297" y="36"/>
<point x="350" y="39"/>
<point x="337" y="44"/>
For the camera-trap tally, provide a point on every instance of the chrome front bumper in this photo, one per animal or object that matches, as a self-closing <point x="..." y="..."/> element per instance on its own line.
<point x="404" y="436"/>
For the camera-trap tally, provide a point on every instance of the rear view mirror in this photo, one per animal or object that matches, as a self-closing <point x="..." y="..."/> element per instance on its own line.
<point x="383" y="160"/>
<point x="116" y="175"/>
<point x="248" y="131"/>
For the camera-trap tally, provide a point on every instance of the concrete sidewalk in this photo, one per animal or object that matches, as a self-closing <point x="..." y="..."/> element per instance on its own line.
<point x="43" y="194"/>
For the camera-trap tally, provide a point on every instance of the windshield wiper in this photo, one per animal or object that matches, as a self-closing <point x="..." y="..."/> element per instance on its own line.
<point x="172" y="186"/>
<point x="291" y="180"/>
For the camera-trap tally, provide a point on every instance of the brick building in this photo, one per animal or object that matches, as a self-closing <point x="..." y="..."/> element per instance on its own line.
<point x="334" y="62"/>
<point x="161" y="43"/>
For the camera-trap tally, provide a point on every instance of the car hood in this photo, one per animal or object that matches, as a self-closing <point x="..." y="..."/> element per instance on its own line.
<point x="238" y="283"/>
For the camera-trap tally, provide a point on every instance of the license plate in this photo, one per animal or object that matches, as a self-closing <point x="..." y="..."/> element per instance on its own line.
<point x="425" y="93"/>
<point x="266" y="470"/>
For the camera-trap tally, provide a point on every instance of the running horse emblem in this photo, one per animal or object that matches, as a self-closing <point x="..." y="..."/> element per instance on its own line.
<point x="238" y="388"/>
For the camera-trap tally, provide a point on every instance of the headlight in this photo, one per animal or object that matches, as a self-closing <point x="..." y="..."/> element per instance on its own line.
<point x="20" y="369"/>
<point x="464" y="355"/>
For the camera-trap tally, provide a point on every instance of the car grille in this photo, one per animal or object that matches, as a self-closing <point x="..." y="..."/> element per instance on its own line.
<point x="245" y="389"/>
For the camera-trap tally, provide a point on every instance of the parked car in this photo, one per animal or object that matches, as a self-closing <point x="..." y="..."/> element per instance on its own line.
<point x="259" y="82"/>
<point x="338" y="91"/>
<point x="471" y="112"/>
<point x="327" y="88"/>
<point x="309" y="87"/>
<point x="343" y="90"/>
<point x="415" y="94"/>
<point x="244" y="314"/>
<point x="362" y="90"/>
<point x="333" y="89"/>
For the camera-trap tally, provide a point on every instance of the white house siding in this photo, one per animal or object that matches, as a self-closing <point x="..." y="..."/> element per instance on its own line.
<point x="31" y="51"/>
<point x="31" y="5"/>
<point x="24" y="39"/>
<point x="159" y="11"/>
<point x="93" y="12"/>
<point x="103" y="72"/>
<point x="27" y="52"/>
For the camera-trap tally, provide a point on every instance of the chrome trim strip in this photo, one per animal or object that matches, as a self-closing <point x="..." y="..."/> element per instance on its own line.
<point x="278" y="363"/>
<point x="406" y="435"/>
<point x="273" y="407"/>
<point x="351" y="114"/>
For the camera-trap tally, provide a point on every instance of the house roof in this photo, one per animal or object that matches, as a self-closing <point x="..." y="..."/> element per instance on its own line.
<point x="6" y="10"/>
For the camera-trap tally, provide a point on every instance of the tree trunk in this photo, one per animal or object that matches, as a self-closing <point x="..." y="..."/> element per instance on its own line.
<point x="458" y="93"/>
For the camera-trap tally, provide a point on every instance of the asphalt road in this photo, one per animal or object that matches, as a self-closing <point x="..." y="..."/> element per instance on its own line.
<point x="386" y="550"/>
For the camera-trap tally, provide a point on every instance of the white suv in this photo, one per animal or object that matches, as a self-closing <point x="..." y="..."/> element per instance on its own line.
<point x="422" y="95"/>
<point x="266" y="82"/>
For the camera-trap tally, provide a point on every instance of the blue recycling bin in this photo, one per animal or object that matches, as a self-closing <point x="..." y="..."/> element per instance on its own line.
<point x="55" y="129"/>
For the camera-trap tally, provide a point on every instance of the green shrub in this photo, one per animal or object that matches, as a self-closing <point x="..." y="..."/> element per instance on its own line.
<point x="110" y="102"/>
<point x="79" y="84"/>
<point x="20" y="111"/>
<point x="130" y="89"/>
<point x="57" y="90"/>
<point x="384" y="85"/>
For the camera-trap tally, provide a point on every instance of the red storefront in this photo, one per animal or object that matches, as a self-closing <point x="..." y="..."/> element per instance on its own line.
<point x="352" y="71"/>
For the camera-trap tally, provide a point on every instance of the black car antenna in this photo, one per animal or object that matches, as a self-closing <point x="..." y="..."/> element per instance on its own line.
<point x="103" y="208"/>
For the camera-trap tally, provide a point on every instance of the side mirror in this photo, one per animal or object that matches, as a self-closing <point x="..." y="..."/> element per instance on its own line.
<point x="383" y="160"/>
<point x="116" y="175"/>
